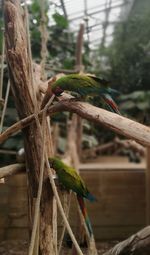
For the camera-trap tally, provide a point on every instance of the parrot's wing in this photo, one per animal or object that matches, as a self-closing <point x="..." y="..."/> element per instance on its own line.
<point x="102" y="81"/>
<point x="74" y="180"/>
<point x="81" y="84"/>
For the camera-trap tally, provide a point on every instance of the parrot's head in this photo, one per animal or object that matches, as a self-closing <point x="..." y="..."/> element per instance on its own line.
<point x="57" y="91"/>
<point x="55" y="163"/>
<point x="58" y="86"/>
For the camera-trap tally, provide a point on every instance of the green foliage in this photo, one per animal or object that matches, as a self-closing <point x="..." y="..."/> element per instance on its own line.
<point x="129" y="54"/>
<point x="60" y="20"/>
<point x="61" y="42"/>
<point x="137" y="104"/>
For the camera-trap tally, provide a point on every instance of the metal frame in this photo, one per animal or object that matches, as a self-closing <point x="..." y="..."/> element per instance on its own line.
<point x="86" y="15"/>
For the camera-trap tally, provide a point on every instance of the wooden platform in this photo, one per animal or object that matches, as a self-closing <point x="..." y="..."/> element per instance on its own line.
<point x="119" y="211"/>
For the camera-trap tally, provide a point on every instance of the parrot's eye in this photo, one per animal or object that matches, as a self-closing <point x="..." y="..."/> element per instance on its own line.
<point x="58" y="91"/>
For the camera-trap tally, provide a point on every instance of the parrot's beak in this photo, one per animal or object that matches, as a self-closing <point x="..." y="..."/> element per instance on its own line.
<point x="58" y="91"/>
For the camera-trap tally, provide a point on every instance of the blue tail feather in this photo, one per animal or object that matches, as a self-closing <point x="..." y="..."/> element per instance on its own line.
<point x="90" y="197"/>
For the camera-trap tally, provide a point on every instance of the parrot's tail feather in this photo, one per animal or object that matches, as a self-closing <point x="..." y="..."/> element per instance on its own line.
<point x="91" y="197"/>
<point x="113" y="92"/>
<point x="85" y="214"/>
<point x="110" y="102"/>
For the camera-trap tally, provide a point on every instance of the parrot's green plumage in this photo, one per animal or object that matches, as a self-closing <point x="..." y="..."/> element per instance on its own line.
<point x="86" y="85"/>
<point x="70" y="179"/>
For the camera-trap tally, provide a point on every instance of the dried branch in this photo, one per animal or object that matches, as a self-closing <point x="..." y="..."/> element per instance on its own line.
<point x="39" y="193"/>
<point x="131" y="144"/>
<point x="117" y="123"/>
<point x="79" y="47"/>
<point x="5" y="106"/>
<point x="66" y="71"/>
<point x="11" y="169"/>
<point x="136" y="244"/>
<point x="98" y="149"/>
<point x="44" y="37"/>
<point x="67" y="202"/>
<point x="2" y="63"/>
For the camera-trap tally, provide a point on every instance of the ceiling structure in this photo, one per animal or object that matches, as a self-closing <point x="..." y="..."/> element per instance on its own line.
<point x="99" y="17"/>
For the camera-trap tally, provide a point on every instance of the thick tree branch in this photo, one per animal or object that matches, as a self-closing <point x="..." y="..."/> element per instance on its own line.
<point x="19" y="66"/>
<point x="117" y="123"/>
<point x="135" y="245"/>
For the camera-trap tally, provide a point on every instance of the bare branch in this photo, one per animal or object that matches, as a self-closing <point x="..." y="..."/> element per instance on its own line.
<point x="136" y="244"/>
<point x="79" y="46"/>
<point x="11" y="169"/>
<point x="66" y="71"/>
<point x="117" y="123"/>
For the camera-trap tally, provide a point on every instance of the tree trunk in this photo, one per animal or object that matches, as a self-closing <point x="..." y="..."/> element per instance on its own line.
<point x="22" y="89"/>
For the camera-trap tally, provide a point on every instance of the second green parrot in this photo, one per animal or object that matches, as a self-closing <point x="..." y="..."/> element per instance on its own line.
<point x="71" y="180"/>
<point x="86" y="85"/>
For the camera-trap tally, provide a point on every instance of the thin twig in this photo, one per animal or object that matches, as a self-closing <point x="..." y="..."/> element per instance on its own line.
<point x="44" y="37"/>
<point x="8" y="152"/>
<point x="30" y="54"/>
<point x="2" y="64"/>
<point x="44" y="55"/>
<point x="5" y="106"/>
<point x="37" y="203"/>
<point x="57" y="70"/>
<point x="67" y="209"/>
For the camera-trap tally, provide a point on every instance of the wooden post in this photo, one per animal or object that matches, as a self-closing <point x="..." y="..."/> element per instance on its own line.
<point x="147" y="176"/>
<point x="21" y="86"/>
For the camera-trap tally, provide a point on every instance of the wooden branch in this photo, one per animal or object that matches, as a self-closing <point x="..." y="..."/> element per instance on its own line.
<point x="135" y="245"/>
<point x="131" y="144"/>
<point x="66" y="71"/>
<point x="98" y="149"/>
<point x="18" y="61"/>
<point x="117" y="123"/>
<point x="79" y="46"/>
<point x="11" y="169"/>
<point x="27" y="121"/>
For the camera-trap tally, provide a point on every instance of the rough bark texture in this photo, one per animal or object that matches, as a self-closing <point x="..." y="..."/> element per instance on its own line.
<point x="138" y="244"/>
<point x="21" y="85"/>
<point x="117" y="123"/>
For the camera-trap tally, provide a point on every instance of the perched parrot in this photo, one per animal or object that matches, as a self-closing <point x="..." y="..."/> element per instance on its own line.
<point x="71" y="180"/>
<point x="86" y="85"/>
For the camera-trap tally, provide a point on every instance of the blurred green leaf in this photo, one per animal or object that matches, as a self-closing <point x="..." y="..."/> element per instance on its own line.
<point x="60" y="20"/>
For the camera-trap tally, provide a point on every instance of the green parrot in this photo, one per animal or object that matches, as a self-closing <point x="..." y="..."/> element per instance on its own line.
<point x="86" y="85"/>
<point x="71" y="180"/>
